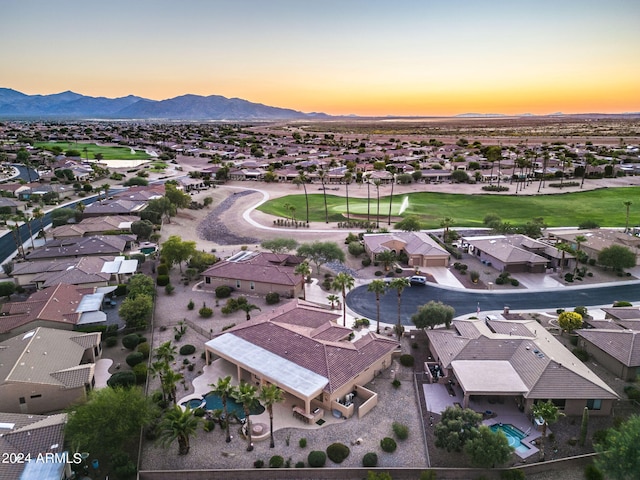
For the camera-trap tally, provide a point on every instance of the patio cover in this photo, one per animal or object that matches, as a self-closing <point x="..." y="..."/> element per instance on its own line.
<point x="283" y="372"/>
<point x="490" y="377"/>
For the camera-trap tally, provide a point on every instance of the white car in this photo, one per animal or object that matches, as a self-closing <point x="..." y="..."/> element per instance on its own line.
<point x="418" y="280"/>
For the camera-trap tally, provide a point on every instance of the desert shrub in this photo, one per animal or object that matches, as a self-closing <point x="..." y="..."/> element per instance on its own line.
<point x="258" y="463"/>
<point x="272" y="298"/>
<point x="317" y="458"/>
<point x="163" y="269"/>
<point x="163" y="280"/>
<point x="190" y="305"/>
<point x="223" y="291"/>
<point x="568" y="277"/>
<point x="378" y="273"/>
<point x="388" y="444"/>
<point x="134" y="358"/>
<point x="591" y="472"/>
<point x="337" y="452"/>
<point x="401" y="430"/>
<point x="187" y="349"/>
<point x="130" y="341"/>
<point x="144" y="348"/>
<point x="512" y="475"/>
<point x="622" y="304"/>
<point x="169" y="289"/>
<point x="122" y="379"/>
<point x="355" y="249"/>
<point x="300" y="464"/>
<point x="370" y="459"/>
<point x="205" y="312"/>
<point x="407" y="360"/>
<point x="302" y="442"/>
<point x="140" y="371"/>
<point x="366" y="261"/>
<point x="276" y="461"/>
<point x="499" y="281"/>
<point x="110" y="341"/>
<point x="199" y="412"/>
<point x="396" y="383"/>
<point x="515" y="282"/>
<point x="209" y="425"/>
<point x="582" y="355"/>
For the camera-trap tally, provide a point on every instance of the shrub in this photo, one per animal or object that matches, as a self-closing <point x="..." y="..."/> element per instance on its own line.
<point x="582" y="355"/>
<point x="120" y="290"/>
<point x="258" y="463"/>
<point x="140" y="371"/>
<point x="223" y="291"/>
<point x="515" y="282"/>
<point x="300" y="464"/>
<point x="370" y="459"/>
<point x="134" y="358"/>
<point x="366" y="262"/>
<point x="600" y="437"/>
<point x="396" y="383"/>
<point x="163" y="269"/>
<point x="512" y="475"/>
<point x="187" y="349"/>
<point x="169" y="289"/>
<point x="199" y="412"/>
<point x="302" y="442"/>
<point x="388" y="444"/>
<point x="338" y="452"/>
<point x="227" y="327"/>
<point x="591" y="472"/>
<point x="427" y="475"/>
<point x="401" y="430"/>
<point x="407" y="360"/>
<point x="378" y="273"/>
<point x="190" y="305"/>
<point x="317" y="459"/>
<point x="568" y="277"/>
<point x="143" y="348"/>
<point x="622" y="304"/>
<point x="163" y="280"/>
<point x="209" y="426"/>
<point x="276" y="461"/>
<point x="205" y="312"/>
<point x="110" y="341"/>
<point x="130" y="341"/>
<point x="122" y="379"/>
<point x="272" y="298"/>
<point x="499" y="281"/>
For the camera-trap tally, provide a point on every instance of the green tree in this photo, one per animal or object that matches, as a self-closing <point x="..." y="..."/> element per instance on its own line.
<point x="163" y="207"/>
<point x="399" y="284"/>
<point x="488" y="448"/>
<point x="322" y="174"/>
<point x="570" y="321"/>
<point x="617" y="257"/>
<point x="446" y="223"/>
<point x="378" y="287"/>
<point x="549" y="414"/>
<point x="175" y="250"/>
<point x="627" y="204"/>
<point x="7" y="289"/>
<point x="332" y="300"/>
<point x="618" y="457"/>
<point x="177" y="197"/>
<point x="178" y="424"/>
<point x="136" y="311"/>
<point x="433" y="314"/>
<point x="301" y="179"/>
<point x="305" y="270"/>
<point x="386" y="257"/>
<point x="170" y="381"/>
<point x="279" y="245"/>
<point x="456" y="427"/>
<point x="142" y="229"/>
<point x="409" y="224"/>
<point x="140" y="284"/>
<point x="246" y="394"/>
<point x="247" y="308"/>
<point x="343" y="282"/>
<point x="225" y="390"/>
<point x="270" y="395"/>
<point x="321" y="252"/>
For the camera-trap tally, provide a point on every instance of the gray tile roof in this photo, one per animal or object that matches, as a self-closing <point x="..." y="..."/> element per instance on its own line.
<point x="623" y="345"/>
<point x="259" y="268"/>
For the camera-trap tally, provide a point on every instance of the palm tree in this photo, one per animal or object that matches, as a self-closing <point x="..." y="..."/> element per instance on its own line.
<point x="368" y="203"/>
<point x="170" y="380"/>
<point x="446" y="223"/>
<point x="179" y="425"/>
<point x="626" y="225"/>
<point x="166" y="352"/>
<point x="302" y="180"/>
<point x="270" y="395"/>
<point x="588" y="161"/>
<point x="399" y="284"/>
<point x="545" y="159"/>
<point x="305" y="270"/>
<point x="15" y="232"/>
<point x="549" y="414"/>
<point x="377" y="182"/>
<point x="28" y="222"/>
<point x="493" y="153"/>
<point x="248" y="308"/>
<point x="379" y="287"/>
<point x="580" y="239"/>
<point x="386" y="257"/>
<point x="332" y="300"/>
<point x="224" y="390"/>
<point x="246" y="394"/>
<point x="322" y="176"/>
<point x="38" y="214"/>
<point x="393" y="181"/>
<point x="105" y="188"/>
<point x="343" y="282"/>
<point x="347" y="180"/>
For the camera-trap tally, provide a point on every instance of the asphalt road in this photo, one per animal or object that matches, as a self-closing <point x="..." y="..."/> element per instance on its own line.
<point x="465" y="302"/>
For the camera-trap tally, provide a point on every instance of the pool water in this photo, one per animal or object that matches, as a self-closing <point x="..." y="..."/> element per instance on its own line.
<point x="514" y="436"/>
<point x="214" y="402"/>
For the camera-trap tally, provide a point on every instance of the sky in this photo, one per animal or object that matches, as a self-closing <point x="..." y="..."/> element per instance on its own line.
<point x="341" y="57"/>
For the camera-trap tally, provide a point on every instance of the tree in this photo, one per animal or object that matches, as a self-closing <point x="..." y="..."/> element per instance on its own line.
<point x="279" y="245"/>
<point x="549" y="414"/>
<point x="459" y="176"/>
<point x="135" y="311"/>
<point x="142" y="229"/>
<point x="399" y="284"/>
<point x="105" y="188"/>
<point x="177" y="197"/>
<point x="393" y="182"/>
<point x="178" y="424"/>
<point x="321" y="252"/>
<point x="270" y="395"/>
<point x="7" y="289"/>
<point x="301" y="179"/>
<point x="378" y="287"/>
<point x="377" y="184"/>
<point x="305" y="270"/>
<point x="322" y="176"/>
<point x="348" y="176"/>
<point x="332" y="300"/>
<point x="166" y="352"/>
<point x="570" y="321"/>
<point x="433" y="314"/>
<point x="175" y="250"/>
<point x="618" y="457"/>
<point x="247" y="308"/>
<point x="140" y="284"/>
<point x="488" y="448"/>
<point x="38" y="214"/>
<point x="409" y="224"/>
<point x="617" y="257"/>
<point x="246" y="394"/>
<point x="224" y="390"/>
<point x="456" y="427"/>
<point x="627" y="204"/>
<point x="493" y="154"/>
<point x="110" y="420"/>
<point x="579" y="239"/>
<point x="343" y="282"/>
<point x="446" y="224"/>
<point x="170" y="381"/>
<point x="163" y="207"/>
<point x="386" y="257"/>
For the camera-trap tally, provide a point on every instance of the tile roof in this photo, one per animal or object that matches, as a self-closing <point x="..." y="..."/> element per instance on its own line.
<point x="623" y="345"/>
<point x="79" y="246"/>
<point x="416" y="243"/>
<point x="259" y="268"/>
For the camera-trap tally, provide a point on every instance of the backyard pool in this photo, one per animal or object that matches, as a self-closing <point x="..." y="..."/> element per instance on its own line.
<point x="211" y="401"/>
<point x="514" y="436"/>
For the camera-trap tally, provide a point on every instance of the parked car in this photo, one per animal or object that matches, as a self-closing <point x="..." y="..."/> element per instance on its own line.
<point x="418" y="280"/>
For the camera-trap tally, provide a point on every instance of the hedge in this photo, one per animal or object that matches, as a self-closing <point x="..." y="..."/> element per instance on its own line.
<point x="388" y="444"/>
<point x="337" y="452"/>
<point x="187" y="349"/>
<point x="223" y="291"/>
<point x="370" y="459"/>
<point x="163" y="280"/>
<point x="130" y="341"/>
<point x="135" y="358"/>
<point x="317" y="458"/>
<point x="122" y="379"/>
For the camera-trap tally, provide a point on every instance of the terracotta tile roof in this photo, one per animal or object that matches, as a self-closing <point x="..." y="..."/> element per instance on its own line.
<point x="261" y="268"/>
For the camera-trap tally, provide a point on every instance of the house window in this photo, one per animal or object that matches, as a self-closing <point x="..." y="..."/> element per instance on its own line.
<point x="22" y="401"/>
<point x="594" y="404"/>
<point x="252" y="286"/>
<point x="36" y="396"/>
<point x="559" y="402"/>
<point x="238" y="284"/>
<point x="207" y="279"/>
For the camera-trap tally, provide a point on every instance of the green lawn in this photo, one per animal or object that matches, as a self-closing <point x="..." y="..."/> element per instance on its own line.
<point x="604" y="206"/>
<point x="108" y="153"/>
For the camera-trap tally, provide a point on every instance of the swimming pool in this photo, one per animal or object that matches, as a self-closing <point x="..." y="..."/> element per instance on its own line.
<point x="514" y="436"/>
<point x="212" y="401"/>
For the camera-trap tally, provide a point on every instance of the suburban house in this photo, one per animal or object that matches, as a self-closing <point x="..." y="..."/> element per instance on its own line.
<point x="599" y="239"/>
<point x="77" y="247"/>
<point x="114" y="207"/>
<point x="615" y="341"/>
<point x="46" y="369"/>
<point x="95" y="226"/>
<point x="518" y="361"/>
<point x="421" y="249"/>
<point x="60" y="307"/>
<point x="300" y="348"/>
<point x="8" y="206"/>
<point x="517" y="253"/>
<point x="257" y="273"/>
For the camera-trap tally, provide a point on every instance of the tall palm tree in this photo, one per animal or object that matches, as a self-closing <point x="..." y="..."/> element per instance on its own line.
<point x="305" y="270"/>
<point x="588" y="161"/>
<point x="347" y="180"/>
<point x="270" y="395"/>
<point x="301" y="179"/>
<point x="28" y="221"/>
<point x="628" y="205"/>
<point x="545" y="160"/>
<point x="378" y="287"/>
<point x="580" y="239"/>
<point x="493" y="153"/>
<point x="38" y="214"/>
<point x="166" y="352"/>
<point x="246" y="394"/>
<point x="446" y="224"/>
<point x="377" y="182"/>
<point x="170" y="381"/>
<point x="322" y="174"/>
<point x="105" y="188"/>
<point x="157" y="369"/>
<point x="393" y="181"/>
<point x="224" y="390"/>
<point x="399" y="284"/>
<point x="178" y="424"/>
<point x="549" y="414"/>
<point x="368" y="203"/>
<point x="343" y="282"/>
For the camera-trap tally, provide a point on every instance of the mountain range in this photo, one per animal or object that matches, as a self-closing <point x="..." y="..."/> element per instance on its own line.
<point x="70" y="105"/>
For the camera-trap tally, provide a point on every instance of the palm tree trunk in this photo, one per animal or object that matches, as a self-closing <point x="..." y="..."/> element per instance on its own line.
<point x="273" y="443"/>
<point x="344" y="307"/>
<point x="391" y="201"/>
<point x="399" y="326"/>
<point x="346" y="186"/>
<point x="378" y="210"/>
<point x="378" y="313"/>
<point x="226" y="418"/>
<point x="368" y="204"/>
<point x="33" y="247"/>
<point x="306" y="199"/>
<point x="247" y="415"/>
